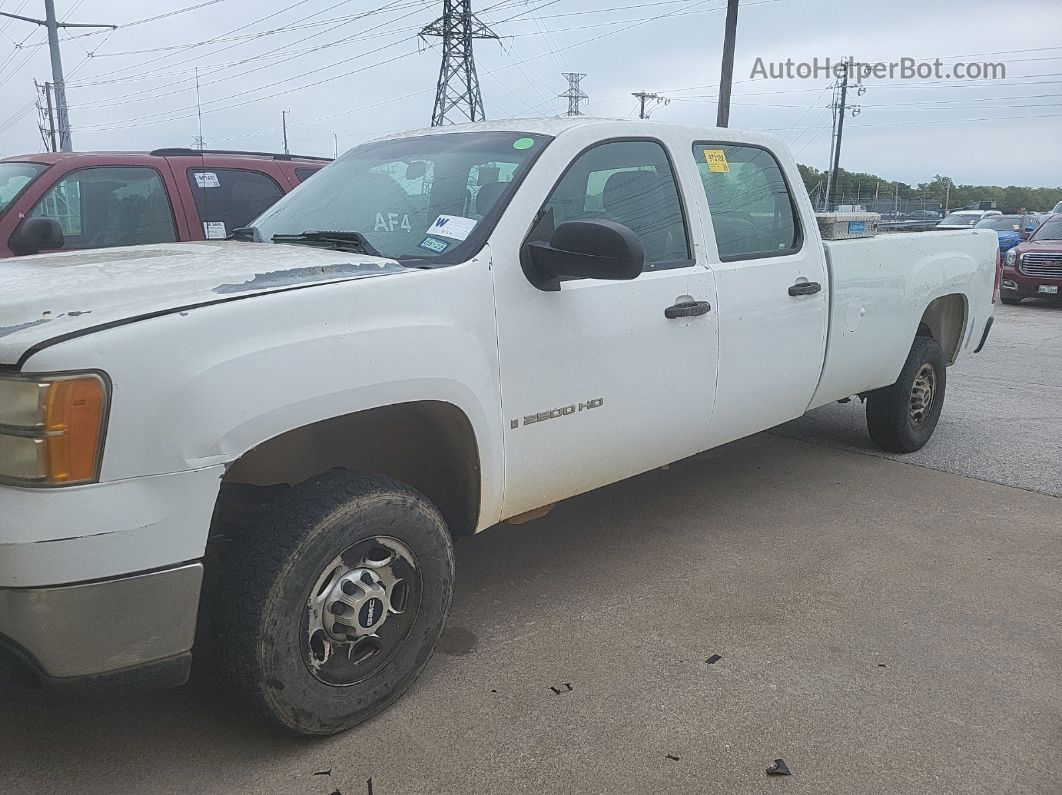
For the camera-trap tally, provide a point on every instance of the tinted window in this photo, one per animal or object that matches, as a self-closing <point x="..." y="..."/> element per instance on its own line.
<point x="114" y="206"/>
<point x="1000" y="223"/>
<point x="415" y="198"/>
<point x="305" y="173"/>
<point x="228" y="198"/>
<point x="960" y="220"/>
<point x="1051" y="230"/>
<point x="629" y="182"/>
<point x="752" y="209"/>
<point x="13" y="178"/>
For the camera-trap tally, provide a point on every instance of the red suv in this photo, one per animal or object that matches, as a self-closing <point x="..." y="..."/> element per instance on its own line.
<point x="102" y="199"/>
<point x="1033" y="268"/>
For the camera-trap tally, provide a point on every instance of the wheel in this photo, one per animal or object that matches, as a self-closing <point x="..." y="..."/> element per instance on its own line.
<point x="1011" y="300"/>
<point x="901" y="417"/>
<point x="326" y="615"/>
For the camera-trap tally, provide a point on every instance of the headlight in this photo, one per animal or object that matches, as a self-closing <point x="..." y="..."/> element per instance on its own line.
<point x="1012" y="257"/>
<point x="51" y="428"/>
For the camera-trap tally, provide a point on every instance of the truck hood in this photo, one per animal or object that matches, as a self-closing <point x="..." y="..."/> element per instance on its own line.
<point x="52" y="295"/>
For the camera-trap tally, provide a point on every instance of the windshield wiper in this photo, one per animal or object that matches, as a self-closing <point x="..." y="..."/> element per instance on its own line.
<point x="353" y="241"/>
<point x="246" y="233"/>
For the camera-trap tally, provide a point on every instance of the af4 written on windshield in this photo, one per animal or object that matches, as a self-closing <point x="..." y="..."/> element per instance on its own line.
<point x="432" y="197"/>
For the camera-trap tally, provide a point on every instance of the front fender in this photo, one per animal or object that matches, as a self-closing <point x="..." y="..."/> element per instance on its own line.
<point x="200" y="388"/>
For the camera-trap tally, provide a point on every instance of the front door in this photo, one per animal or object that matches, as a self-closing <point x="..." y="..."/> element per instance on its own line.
<point x="597" y="382"/>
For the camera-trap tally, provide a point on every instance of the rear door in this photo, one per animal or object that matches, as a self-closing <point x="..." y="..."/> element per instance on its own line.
<point x="226" y="198"/>
<point x="771" y="279"/>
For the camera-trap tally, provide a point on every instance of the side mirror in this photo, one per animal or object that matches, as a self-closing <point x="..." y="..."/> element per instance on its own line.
<point x="590" y="249"/>
<point x="34" y="234"/>
<point x="1024" y="234"/>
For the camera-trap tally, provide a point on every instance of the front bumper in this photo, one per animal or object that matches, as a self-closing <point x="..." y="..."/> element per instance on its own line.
<point x="1019" y="285"/>
<point x="108" y="629"/>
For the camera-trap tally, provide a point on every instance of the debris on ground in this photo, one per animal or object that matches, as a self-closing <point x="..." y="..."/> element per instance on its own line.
<point x="779" y="768"/>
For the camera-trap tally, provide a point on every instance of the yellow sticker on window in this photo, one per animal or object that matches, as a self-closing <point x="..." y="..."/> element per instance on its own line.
<point x="717" y="161"/>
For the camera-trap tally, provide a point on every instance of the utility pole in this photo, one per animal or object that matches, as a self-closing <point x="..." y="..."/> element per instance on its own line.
<point x="284" y="123"/>
<point x="47" y="116"/>
<point x="840" y="107"/>
<point x="574" y="94"/>
<point x="835" y="166"/>
<point x="457" y="91"/>
<point x="642" y="97"/>
<point x="726" y="78"/>
<point x="59" y="85"/>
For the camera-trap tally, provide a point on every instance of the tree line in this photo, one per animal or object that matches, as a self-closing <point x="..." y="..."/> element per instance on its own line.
<point x="856" y="186"/>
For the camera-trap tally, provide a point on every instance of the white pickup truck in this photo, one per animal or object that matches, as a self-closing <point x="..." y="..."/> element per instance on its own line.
<point x="263" y="447"/>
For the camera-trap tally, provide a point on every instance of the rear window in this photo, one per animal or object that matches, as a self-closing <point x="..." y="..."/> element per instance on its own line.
<point x="305" y="173"/>
<point x="14" y="177"/>
<point x="229" y="198"/>
<point x="960" y="220"/>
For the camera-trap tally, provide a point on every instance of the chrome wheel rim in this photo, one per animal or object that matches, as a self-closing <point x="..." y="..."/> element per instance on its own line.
<point x="360" y="610"/>
<point x="923" y="392"/>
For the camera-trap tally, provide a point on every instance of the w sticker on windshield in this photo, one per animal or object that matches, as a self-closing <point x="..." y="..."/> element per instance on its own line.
<point x="455" y="227"/>
<point x="433" y="244"/>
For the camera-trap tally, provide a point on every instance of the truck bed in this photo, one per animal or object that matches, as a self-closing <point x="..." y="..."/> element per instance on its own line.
<point x="879" y="288"/>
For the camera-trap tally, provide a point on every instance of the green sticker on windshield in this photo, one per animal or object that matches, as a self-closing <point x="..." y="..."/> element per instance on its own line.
<point x="523" y="143"/>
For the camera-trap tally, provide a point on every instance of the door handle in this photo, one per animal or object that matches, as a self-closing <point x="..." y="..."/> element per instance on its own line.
<point x="687" y="309"/>
<point x="805" y="288"/>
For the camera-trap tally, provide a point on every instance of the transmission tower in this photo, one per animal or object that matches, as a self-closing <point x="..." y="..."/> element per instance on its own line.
<point x="574" y="94"/>
<point x="458" y="88"/>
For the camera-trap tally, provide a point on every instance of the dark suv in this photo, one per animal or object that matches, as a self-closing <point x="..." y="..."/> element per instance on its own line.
<point x="103" y="199"/>
<point x="1033" y="268"/>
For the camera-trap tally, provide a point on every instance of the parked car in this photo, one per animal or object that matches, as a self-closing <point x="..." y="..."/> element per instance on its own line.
<point x="965" y="219"/>
<point x="277" y="439"/>
<point x="1033" y="268"/>
<point x="1007" y="228"/>
<point x="105" y="199"/>
<point x="1057" y="208"/>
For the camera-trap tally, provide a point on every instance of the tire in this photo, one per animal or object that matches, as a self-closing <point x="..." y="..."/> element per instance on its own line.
<point x="1010" y="300"/>
<point x="270" y="577"/>
<point x="898" y="420"/>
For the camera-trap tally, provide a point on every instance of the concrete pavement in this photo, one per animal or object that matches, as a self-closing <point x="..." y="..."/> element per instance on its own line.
<point x="882" y="627"/>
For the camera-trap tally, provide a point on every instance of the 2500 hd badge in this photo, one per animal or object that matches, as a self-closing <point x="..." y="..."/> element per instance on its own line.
<point x="552" y="414"/>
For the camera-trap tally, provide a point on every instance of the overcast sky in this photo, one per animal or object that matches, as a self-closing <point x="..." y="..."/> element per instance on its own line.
<point x="356" y="68"/>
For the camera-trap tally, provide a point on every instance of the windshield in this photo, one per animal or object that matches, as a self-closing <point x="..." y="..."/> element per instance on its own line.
<point x="411" y="198"/>
<point x="959" y="220"/>
<point x="13" y="178"/>
<point x="1051" y="230"/>
<point x="1000" y="223"/>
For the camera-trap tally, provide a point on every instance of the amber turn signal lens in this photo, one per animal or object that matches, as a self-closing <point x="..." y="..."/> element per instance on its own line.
<point x="73" y="418"/>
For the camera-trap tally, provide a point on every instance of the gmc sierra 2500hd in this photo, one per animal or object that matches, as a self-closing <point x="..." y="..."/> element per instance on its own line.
<point x="275" y="438"/>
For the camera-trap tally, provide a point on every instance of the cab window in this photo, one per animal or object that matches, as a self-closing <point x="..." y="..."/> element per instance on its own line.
<point x="109" y="206"/>
<point x="753" y="212"/>
<point x="230" y="198"/>
<point x="631" y="183"/>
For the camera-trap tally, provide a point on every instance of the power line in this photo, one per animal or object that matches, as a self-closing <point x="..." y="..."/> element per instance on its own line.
<point x="52" y="26"/>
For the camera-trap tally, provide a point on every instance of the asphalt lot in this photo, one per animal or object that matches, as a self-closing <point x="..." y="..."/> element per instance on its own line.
<point x="882" y="625"/>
